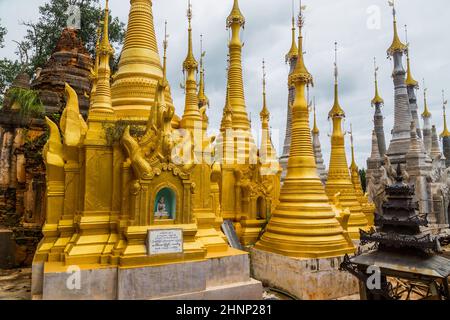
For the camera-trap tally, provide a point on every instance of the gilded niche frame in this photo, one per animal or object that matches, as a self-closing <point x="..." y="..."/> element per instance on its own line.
<point x="145" y="199"/>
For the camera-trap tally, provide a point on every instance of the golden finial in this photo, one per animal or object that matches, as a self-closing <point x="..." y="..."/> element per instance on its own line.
<point x="426" y="113"/>
<point x="105" y="47"/>
<point x="165" y="45"/>
<point x="264" y="112"/>
<point x="409" y="78"/>
<point x="202" y="98"/>
<point x="377" y="100"/>
<point x="315" y="129"/>
<point x="337" y="110"/>
<point x="190" y="63"/>
<point x="353" y="166"/>
<point x="236" y="16"/>
<point x="397" y="45"/>
<point x="293" y="52"/>
<point x="300" y="72"/>
<point x="444" y="133"/>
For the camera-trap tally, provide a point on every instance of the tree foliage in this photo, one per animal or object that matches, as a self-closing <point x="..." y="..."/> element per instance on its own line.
<point x="42" y="35"/>
<point x="362" y="177"/>
<point x="2" y="35"/>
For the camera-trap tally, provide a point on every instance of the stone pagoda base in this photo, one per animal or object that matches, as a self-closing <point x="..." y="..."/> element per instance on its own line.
<point x="306" y="279"/>
<point x="212" y="279"/>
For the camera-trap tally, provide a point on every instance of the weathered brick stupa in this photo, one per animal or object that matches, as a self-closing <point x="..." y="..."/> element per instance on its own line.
<point x="22" y="181"/>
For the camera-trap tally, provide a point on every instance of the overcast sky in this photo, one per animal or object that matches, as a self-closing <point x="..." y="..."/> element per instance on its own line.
<point x="362" y="28"/>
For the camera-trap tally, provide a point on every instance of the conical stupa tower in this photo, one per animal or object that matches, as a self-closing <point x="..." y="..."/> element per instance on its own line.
<point x="321" y="169"/>
<point x="435" y="148"/>
<point x="378" y="119"/>
<point x="445" y="135"/>
<point x="191" y="118"/>
<point x="426" y="116"/>
<point x="134" y="83"/>
<point x="399" y="145"/>
<point x="291" y="58"/>
<point x="339" y="180"/>
<point x="412" y="85"/>
<point x="304" y="225"/>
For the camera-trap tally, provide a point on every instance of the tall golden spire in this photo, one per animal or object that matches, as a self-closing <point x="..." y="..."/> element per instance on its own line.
<point x="303" y="225"/>
<point x="445" y="133"/>
<point x="165" y="45"/>
<point x="140" y="69"/>
<point x="191" y="115"/>
<point x="94" y="72"/>
<point x="102" y="99"/>
<point x="377" y="99"/>
<point x="202" y="98"/>
<point x="426" y="113"/>
<point x="337" y="110"/>
<point x="315" y="129"/>
<point x="267" y="151"/>
<point x="235" y="22"/>
<point x="339" y="179"/>
<point x="293" y="52"/>
<point x="397" y="45"/>
<point x="410" y="81"/>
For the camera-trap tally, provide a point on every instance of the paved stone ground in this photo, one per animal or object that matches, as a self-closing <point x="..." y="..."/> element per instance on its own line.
<point x="15" y="284"/>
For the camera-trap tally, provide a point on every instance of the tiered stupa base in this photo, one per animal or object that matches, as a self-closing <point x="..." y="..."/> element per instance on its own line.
<point x="225" y="277"/>
<point x="304" y="278"/>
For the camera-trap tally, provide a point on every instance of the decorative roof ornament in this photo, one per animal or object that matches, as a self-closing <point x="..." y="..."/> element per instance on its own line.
<point x="377" y="99"/>
<point x="397" y="45"/>
<point x="301" y="73"/>
<point x="165" y="46"/>
<point x="426" y="113"/>
<point x="410" y="81"/>
<point x="105" y="45"/>
<point x="293" y="52"/>
<point x="202" y="98"/>
<point x="236" y="16"/>
<point x="265" y="114"/>
<point x="446" y="132"/>
<point x="315" y="129"/>
<point x="190" y="63"/>
<point x="337" y="110"/>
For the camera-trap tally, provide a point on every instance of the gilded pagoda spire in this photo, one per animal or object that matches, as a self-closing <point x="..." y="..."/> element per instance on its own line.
<point x="235" y="22"/>
<point x="102" y="99"/>
<point x="426" y="112"/>
<point x="445" y="133"/>
<point x="377" y="98"/>
<point x="303" y="225"/>
<point x="427" y="129"/>
<point x="94" y="72"/>
<point x="339" y="179"/>
<point x="397" y="45"/>
<point x="202" y="98"/>
<point x="293" y="51"/>
<point x="135" y="82"/>
<point x="315" y="129"/>
<point x="267" y="154"/>
<point x="191" y="116"/>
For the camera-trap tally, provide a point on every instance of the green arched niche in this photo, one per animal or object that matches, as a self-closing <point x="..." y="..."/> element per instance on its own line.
<point x="165" y="204"/>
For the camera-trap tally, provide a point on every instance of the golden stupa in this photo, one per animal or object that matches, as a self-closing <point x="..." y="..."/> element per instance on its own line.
<point x="339" y="179"/>
<point x="304" y="224"/>
<point x="248" y="189"/>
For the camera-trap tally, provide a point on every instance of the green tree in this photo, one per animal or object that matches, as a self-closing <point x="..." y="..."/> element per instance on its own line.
<point x="8" y="69"/>
<point x="42" y="36"/>
<point x="362" y="177"/>
<point x="3" y="32"/>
